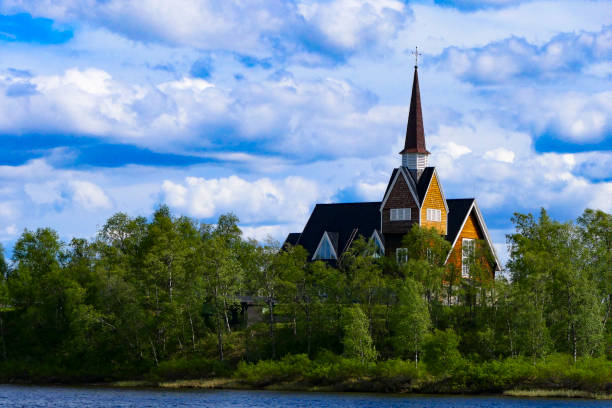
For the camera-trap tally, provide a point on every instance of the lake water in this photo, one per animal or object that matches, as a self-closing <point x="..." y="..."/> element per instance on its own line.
<point x="82" y="397"/>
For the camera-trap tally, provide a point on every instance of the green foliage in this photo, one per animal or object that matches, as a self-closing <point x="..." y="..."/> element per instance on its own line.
<point x="357" y="340"/>
<point x="168" y="298"/>
<point x="189" y="368"/>
<point x="411" y="321"/>
<point x="441" y="351"/>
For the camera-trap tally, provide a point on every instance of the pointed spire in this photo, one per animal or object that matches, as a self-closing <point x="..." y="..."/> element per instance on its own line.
<point x="415" y="134"/>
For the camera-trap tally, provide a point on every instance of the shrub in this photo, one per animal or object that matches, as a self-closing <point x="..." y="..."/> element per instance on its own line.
<point x="189" y="368"/>
<point x="441" y="351"/>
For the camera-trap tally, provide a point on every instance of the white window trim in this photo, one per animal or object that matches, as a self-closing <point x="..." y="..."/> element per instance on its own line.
<point x="465" y="268"/>
<point x="376" y="237"/>
<point x="400" y="214"/>
<point x="325" y="237"/>
<point x="433" y="214"/>
<point x="404" y="255"/>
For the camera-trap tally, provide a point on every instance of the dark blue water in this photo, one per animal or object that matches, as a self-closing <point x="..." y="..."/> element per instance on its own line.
<point x="18" y="396"/>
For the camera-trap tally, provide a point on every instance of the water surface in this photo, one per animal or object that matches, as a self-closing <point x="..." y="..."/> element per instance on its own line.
<point x="83" y="397"/>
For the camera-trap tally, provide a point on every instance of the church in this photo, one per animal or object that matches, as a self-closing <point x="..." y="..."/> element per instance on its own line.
<point x="413" y="195"/>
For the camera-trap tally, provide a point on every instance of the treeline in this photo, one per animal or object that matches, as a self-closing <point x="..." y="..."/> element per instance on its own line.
<point x="167" y="297"/>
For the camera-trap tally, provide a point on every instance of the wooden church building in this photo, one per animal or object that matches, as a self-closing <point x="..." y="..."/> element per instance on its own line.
<point x="414" y="195"/>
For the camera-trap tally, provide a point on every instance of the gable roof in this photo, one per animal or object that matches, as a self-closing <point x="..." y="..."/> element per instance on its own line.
<point x="292" y="238"/>
<point x="405" y="173"/>
<point x="424" y="182"/>
<point x="420" y="187"/>
<point x="459" y="210"/>
<point x="415" y="133"/>
<point x="339" y="221"/>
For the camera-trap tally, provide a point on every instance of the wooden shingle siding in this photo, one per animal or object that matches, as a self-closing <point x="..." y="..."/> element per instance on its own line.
<point x="400" y="197"/>
<point x="434" y="199"/>
<point x="470" y="230"/>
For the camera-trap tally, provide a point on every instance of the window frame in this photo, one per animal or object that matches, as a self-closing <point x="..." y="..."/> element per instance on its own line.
<point x="467" y="254"/>
<point x="333" y="250"/>
<point x="403" y="253"/>
<point x="400" y="214"/>
<point x="434" y="214"/>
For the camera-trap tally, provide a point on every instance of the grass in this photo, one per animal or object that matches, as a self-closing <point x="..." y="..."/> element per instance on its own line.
<point x="561" y="393"/>
<point x="205" y="383"/>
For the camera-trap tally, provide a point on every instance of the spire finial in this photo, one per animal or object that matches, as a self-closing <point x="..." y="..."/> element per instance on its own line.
<point x="416" y="54"/>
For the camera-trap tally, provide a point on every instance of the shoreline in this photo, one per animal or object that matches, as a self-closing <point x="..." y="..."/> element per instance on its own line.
<point x="230" y="384"/>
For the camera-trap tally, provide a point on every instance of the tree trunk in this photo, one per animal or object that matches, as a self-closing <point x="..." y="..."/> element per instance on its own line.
<point x="2" y="337"/>
<point x="229" y="330"/>
<point x="271" y="321"/>
<point x="154" y="351"/>
<point x="219" y="329"/>
<point x="192" y="331"/>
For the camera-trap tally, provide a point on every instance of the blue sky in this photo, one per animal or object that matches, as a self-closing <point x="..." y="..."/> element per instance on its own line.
<point x="265" y="108"/>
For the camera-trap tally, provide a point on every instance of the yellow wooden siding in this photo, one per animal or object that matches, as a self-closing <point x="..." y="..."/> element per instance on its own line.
<point x="470" y="230"/>
<point x="434" y="200"/>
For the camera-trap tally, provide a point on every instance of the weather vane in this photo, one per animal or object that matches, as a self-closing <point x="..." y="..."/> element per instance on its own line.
<point x="416" y="54"/>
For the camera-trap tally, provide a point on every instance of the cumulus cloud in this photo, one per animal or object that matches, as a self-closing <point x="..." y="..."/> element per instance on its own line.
<point x="333" y="28"/>
<point x="328" y="116"/>
<point x="515" y="177"/>
<point x="574" y="116"/>
<point x="516" y="57"/>
<point x="262" y="200"/>
<point x="88" y="195"/>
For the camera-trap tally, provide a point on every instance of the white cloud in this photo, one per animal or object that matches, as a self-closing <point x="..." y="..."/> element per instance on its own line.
<point x="285" y="200"/>
<point x="251" y="27"/>
<point x="329" y="116"/>
<point x="500" y="154"/>
<point x="88" y="195"/>
<point x="44" y="193"/>
<point x="573" y="116"/>
<point x="515" y="57"/>
<point x="352" y="23"/>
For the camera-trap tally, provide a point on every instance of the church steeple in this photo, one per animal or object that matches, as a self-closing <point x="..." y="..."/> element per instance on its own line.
<point x="414" y="155"/>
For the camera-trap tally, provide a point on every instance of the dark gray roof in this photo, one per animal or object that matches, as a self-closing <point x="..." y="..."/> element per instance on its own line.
<point x="340" y="221"/>
<point x="292" y="238"/>
<point x="415" y="132"/>
<point x="423" y="183"/>
<point x="457" y="211"/>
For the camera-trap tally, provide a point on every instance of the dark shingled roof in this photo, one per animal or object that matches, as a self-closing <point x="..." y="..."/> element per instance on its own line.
<point x="457" y="211"/>
<point x="390" y="181"/>
<point x="292" y="238"/>
<point x="423" y="183"/>
<point x="415" y="134"/>
<point x="340" y="221"/>
<point x="420" y="187"/>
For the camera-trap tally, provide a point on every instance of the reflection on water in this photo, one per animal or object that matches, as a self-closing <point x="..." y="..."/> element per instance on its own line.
<point x="44" y="397"/>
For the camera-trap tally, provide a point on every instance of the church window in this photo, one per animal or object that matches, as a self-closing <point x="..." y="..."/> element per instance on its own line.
<point x="400" y="214"/>
<point x="380" y="248"/>
<point x="434" y="215"/>
<point x="467" y="256"/>
<point x="430" y="255"/>
<point x="401" y="255"/>
<point x="325" y="250"/>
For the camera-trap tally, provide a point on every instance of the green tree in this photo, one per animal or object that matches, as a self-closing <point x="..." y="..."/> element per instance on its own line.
<point x="357" y="340"/>
<point x="411" y="319"/>
<point x="427" y="252"/>
<point x="222" y="271"/>
<point x="363" y="269"/>
<point x="547" y="264"/>
<point x="442" y="351"/>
